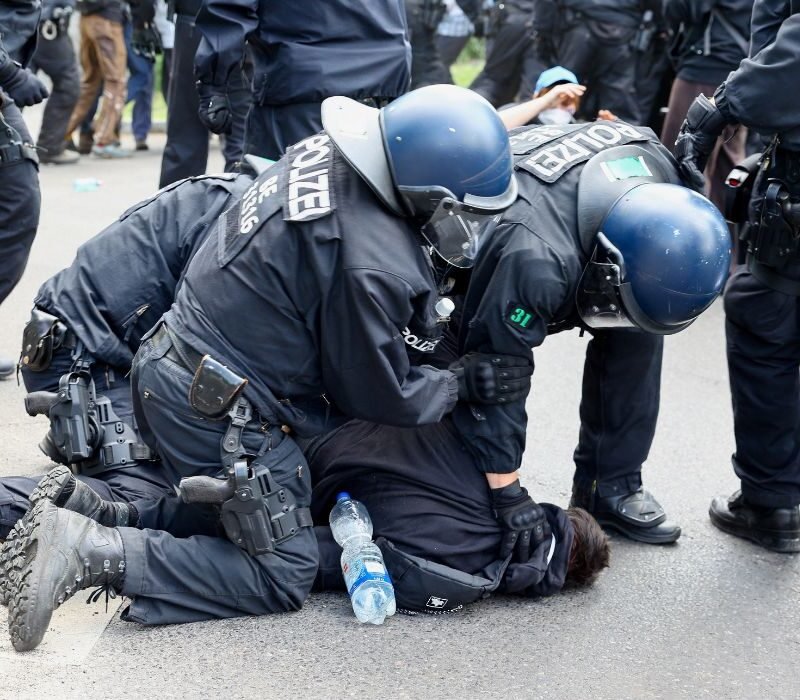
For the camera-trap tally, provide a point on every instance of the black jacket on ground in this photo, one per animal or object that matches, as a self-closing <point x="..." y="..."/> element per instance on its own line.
<point x="762" y="92"/>
<point x="523" y="285"/>
<point x="307" y="51"/>
<point x="314" y="291"/>
<point x="124" y="279"/>
<point x="709" y="51"/>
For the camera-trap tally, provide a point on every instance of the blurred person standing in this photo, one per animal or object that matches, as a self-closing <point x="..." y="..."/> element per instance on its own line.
<point x="19" y="166"/>
<point x="512" y="62"/>
<point x="166" y="28"/>
<point x="103" y="60"/>
<point x="186" y="152"/>
<point x="452" y="34"/>
<point x="423" y="17"/>
<point x="711" y="37"/>
<point x="55" y="57"/>
<point x="302" y="53"/>
<point x="143" y="44"/>
<point x="594" y="39"/>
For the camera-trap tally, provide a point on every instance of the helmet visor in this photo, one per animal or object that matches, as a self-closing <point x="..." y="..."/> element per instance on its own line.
<point x="456" y="231"/>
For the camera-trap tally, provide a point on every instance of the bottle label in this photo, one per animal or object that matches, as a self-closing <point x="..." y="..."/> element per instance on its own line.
<point x="359" y="570"/>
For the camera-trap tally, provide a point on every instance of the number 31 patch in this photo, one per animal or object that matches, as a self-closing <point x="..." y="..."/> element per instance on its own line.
<point x="519" y="317"/>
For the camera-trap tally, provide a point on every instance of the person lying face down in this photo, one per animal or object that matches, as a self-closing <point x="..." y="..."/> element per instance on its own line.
<point x="427" y="499"/>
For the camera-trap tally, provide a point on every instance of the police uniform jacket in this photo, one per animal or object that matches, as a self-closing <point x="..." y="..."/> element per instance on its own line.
<point x="313" y="291"/>
<point x="19" y="20"/>
<point x="124" y="279"/>
<point x="307" y="51"/>
<point x="761" y="94"/>
<point x="523" y="285"/>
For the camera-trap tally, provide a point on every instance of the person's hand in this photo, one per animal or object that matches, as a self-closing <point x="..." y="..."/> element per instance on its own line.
<point x="25" y="88"/>
<point x="215" y="108"/>
<point x="523" y="521"/>
<point x="696" y="139"/>
<point x="146" y="42"/>
<point x="492" y="379"/>
<point x="564" y="95"/>
<point x="607" y="115"/>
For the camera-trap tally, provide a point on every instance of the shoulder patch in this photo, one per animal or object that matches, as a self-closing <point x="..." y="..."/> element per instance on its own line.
<point x="308" y="190"/>
<point x="525" y="139"/>
<point x="550" y="161"/>
<point x="518" y="316"/>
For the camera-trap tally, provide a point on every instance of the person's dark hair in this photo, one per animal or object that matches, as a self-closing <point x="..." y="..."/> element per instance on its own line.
<point x="590" y="552"/>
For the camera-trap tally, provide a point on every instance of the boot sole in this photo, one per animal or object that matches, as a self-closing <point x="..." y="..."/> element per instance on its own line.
<point x="771" y="541"/>
<point x="51" y="486"/>
<point x="28" y="619"/>
<point x="8" y="552"/>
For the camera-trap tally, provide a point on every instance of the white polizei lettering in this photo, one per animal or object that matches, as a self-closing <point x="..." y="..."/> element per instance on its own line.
<point x="583" y="136"/>
<point x="550" y="162"/>
<point x="628" y="130"/>
<point x="419" y="344"/>
<point x="267" y="188"/>
<point x="571" y="151"/>
<point x="303" y="207"/>
<point x="607" y="134"/>
<point x="297" y="175"/>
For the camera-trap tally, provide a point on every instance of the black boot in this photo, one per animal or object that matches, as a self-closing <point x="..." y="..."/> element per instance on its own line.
<point x="637" y="515"/>
<point x="776" y="529"/>
<point x="57" y="554"/>
<point x="61" y="487"/>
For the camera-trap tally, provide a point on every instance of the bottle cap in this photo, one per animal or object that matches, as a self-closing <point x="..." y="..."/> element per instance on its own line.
<point x="444" y="307"/>
<point x="343" y="496"/>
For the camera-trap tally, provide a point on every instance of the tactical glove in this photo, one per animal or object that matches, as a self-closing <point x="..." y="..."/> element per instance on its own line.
<point x="146" y="42"/>
<point x="492" y="379"/>
<point x="524" y="522"/>
<point x="215" y="108"/>
<point x="21" y="85"/>
<point x="696" y="139"/>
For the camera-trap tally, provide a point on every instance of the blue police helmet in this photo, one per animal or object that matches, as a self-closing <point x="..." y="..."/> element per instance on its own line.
<point x="440" y="154"/>
<point x="662" y="257"/>
<point x="443" y="140"/>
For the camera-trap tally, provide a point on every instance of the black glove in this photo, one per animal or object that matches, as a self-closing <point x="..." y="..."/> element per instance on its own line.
<point x="215" y="108"/>
<point x="22" y="86"/>
<point x="524" y="522"/>
<point x="492" y="378"/>
<point x="146" y="42"/>
<point x="696" y="139"/>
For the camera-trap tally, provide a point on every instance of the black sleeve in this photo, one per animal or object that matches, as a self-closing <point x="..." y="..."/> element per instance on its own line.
<point x="690" y="12"/>
<point x="226" y="26"/>
<point x="142" y="12"/>
<point x="528" y="286"/>
<point x="756" y="94"/>
<point x="19" y="21"/>
<point x="365" y="365"/>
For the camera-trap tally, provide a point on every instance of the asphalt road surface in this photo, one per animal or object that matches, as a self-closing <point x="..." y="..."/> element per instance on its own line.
<point x="711" y="616"/>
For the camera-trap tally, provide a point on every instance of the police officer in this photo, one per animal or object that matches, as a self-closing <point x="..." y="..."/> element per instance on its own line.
<point x="573" y="252"/>
<point x="86" y="325"/>
<point x="302" y="53"/>
<point x="20" y="199"/>
<point x="186" y="150"/>
<point x="761" y="299"/>
<point x="512" y="61"/>
<point x="297" y="312"/>
<point x="55" y="56"/>
<point x="594" y="40"/>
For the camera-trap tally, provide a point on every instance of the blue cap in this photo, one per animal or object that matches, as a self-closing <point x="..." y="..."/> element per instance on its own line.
<point x="343" y="496"/>
<point x="557" y="74"/>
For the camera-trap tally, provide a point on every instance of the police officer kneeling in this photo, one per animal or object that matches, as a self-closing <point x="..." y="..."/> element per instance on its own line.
<point x="289" y="318"/>
<point x="762" y="300"/>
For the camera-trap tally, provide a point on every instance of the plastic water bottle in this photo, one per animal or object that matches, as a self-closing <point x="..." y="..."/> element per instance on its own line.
<point x="368" y="582"/>
<point x="86" y="184"/>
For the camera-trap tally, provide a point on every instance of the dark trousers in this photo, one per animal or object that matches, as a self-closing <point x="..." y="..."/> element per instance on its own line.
<point x="619" y="409"/>
<point x="271" y="129"/>
<point x="56" y="58"/>
<point x="729" y="150"/>
<point x="512" y="66"/>
<point x="140" y="89"/>
<point x="426" y="65"/>
<point x="20" y="202"/>
<point x="450" y="48"/>
<point x="186" y="151"/>
<point x="600" y="54"/>
<point x="177" y="569"/>
<point x="762" y="329"/>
